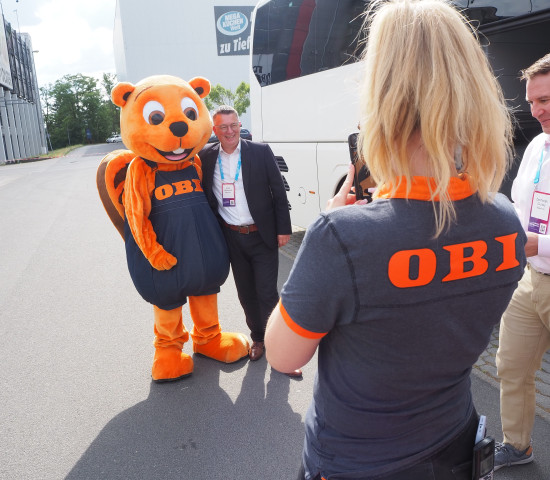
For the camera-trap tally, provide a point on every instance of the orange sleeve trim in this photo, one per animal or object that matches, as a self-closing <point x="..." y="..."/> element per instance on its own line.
<point x="296" y="328"/>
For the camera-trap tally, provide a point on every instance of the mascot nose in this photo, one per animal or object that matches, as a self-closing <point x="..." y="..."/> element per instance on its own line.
<point x="179" y="129"/>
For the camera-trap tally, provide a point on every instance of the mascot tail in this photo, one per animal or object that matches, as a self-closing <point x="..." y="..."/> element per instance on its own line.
<point x="110" y="178"/>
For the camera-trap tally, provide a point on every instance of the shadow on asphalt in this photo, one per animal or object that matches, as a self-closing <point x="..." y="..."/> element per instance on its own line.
<point x="192" y="430"/>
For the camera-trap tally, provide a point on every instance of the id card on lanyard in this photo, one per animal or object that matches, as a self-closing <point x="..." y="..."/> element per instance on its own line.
<point x="540" y="204"/>
<point x="228" y="188"/>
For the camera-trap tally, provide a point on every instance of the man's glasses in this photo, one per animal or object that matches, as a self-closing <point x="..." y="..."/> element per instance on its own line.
<point x="232" y="126"/>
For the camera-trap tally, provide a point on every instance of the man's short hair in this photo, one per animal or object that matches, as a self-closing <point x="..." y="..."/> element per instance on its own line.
<point x="224" y="110"/>
<point x="540" y="67"/>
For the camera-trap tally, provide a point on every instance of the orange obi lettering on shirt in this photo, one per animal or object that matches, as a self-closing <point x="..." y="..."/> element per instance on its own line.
<point x="460" y="256"/>
<point x="178" y="188"/>
<point x="465" y="260"/>
<point x="399" y="268"/>
<point x="509" y="259"/>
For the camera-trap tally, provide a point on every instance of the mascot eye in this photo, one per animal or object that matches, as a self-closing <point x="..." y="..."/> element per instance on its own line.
<point x="153" y="113"/>
<point x="189" y="108"/>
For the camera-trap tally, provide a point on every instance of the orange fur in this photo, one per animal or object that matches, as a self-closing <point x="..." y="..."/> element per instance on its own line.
<point x="110" y="184"/>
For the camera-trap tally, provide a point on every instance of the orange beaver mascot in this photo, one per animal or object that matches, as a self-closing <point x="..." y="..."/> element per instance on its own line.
<point x="174" y="245"/>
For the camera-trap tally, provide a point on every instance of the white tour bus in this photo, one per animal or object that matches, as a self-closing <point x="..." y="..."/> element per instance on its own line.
<point x="305" y="76"/>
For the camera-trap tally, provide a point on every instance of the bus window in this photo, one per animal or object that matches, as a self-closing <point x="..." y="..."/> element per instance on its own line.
<point x="540" y="5"/>
<point x="487" y="11"/>
<point x="294" y="39"/>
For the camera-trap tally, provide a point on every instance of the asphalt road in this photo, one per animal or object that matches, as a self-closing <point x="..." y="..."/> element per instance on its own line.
<point x="76" y="397"/>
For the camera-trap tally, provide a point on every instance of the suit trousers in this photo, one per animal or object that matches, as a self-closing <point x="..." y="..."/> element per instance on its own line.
<point x="255" y="268"/>
<point x="524" y="337"/>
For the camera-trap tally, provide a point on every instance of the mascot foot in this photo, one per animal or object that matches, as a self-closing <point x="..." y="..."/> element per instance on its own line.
<point x="225" y="347"/>
<point x="171" y="364"/>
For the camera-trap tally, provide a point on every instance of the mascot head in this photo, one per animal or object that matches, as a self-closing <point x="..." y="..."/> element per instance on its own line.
<point x="163" y="118"/>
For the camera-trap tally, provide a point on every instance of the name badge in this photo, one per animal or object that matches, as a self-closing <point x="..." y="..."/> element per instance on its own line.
<point x="228" y="194"/>
<point x="540" y="213"/>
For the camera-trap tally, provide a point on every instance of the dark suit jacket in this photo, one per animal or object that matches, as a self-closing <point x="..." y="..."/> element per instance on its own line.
<point x="263" y="187"/>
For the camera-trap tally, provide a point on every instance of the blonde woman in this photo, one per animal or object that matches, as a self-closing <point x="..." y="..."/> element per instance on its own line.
<point x="400" y="296"/>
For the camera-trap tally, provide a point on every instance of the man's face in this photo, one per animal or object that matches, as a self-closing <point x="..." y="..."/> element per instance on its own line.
<point x="227" y="128"/>
<point x="538" y="97"/>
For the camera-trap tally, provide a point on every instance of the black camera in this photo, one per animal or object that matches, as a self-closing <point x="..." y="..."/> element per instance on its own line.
<point x="484" y="459"/>
<point x="362" y="180"/>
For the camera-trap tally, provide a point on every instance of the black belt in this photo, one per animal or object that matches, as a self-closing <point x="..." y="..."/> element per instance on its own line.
<point x="246" y="229"/>
<point x="541" y="273"/>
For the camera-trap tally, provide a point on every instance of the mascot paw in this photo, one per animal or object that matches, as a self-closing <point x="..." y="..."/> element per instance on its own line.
<point x="225" y="347"/>
<point x="163" y="260"/>
<point x="171" y="364"/>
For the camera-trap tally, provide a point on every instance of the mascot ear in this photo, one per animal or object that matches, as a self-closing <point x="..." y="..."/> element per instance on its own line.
<point x="200" y="85"/>
<point x="120" y="93"/>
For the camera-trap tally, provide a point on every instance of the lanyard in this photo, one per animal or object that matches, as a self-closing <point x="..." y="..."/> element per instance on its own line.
<point x="236" y="171"/>
<point x="537" y="175"/>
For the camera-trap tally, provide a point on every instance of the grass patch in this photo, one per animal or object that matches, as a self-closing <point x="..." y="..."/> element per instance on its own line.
<point x="60" y="152"/>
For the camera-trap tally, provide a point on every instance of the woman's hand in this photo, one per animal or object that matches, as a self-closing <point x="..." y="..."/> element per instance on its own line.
<point x="344" y="197"/>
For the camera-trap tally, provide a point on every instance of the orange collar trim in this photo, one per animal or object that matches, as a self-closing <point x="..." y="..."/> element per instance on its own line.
<point x="422" y="188"/>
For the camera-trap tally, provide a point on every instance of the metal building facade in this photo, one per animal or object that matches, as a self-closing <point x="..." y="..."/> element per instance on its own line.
<point x="21" y="122"/>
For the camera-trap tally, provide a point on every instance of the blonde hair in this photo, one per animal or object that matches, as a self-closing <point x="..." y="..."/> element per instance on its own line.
<point x="425" y="72"/>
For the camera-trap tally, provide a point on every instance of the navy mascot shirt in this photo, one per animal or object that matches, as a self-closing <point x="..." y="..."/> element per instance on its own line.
<point x="187" y="228"/>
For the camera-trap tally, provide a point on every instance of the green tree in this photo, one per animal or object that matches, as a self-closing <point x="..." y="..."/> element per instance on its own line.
<point x="110" y="112"/>
<point x="75" y="104"/>
<point x="240" y="100"/>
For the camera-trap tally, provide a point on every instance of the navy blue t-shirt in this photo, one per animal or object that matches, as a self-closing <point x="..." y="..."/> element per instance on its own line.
<point x="404" y="317"/>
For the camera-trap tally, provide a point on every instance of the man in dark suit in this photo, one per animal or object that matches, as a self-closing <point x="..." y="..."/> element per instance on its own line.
<point x="244" y="187"/>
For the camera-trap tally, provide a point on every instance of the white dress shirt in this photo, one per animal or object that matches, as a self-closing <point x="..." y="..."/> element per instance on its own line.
<point x="239" y="214"/>
<point x="523" y="189"/>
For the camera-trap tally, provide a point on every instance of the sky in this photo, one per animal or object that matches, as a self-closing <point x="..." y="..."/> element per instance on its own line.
<point x="71" y="36"/>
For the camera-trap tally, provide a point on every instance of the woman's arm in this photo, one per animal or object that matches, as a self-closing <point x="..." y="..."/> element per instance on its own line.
<point x="285" y="349"/>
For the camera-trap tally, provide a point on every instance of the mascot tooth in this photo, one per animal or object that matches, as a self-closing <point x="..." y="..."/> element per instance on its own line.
<point x="175" y="248"/>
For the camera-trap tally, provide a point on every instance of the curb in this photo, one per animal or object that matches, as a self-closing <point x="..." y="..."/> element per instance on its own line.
<point x="25" y="160"/>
